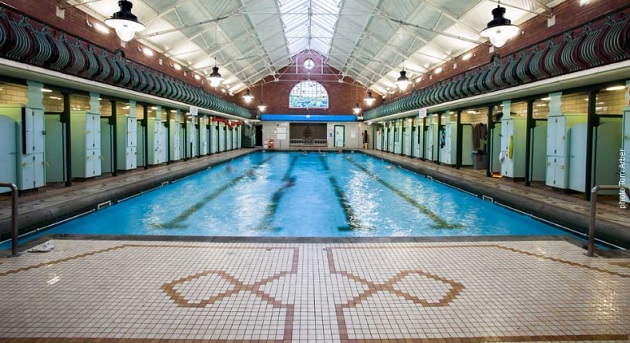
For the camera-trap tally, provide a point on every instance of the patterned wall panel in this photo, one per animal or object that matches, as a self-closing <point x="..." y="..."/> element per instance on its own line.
<point x="596" y="43"/>
<point x="26" y="40"/>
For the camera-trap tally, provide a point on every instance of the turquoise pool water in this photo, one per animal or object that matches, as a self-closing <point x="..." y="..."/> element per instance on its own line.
<point x="306" y="195"/>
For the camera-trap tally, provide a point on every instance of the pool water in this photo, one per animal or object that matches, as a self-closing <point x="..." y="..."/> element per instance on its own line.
<point x="306" y="195"/>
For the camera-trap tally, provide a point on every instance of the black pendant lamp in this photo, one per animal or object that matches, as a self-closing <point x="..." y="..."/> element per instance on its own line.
<point x="215" y="78"/>
<point x="403" y="82"/>
<point x="248" y="96"/>
<point x="499" y="29"/>
<point x="369" y="99"/>
<point x="124" y="22"/>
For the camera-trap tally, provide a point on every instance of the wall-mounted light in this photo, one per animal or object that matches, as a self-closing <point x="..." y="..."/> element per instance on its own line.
<point x="369" y="99"/>
<point x="356" y="109"/>
<point x="46" y="90"/>
<point x="438" y="70"/>
<point x="124" y="22"/>
<point x="197" y="77"/>
<point x="147" y="52"/>
<point x="615" y="88"/>
<point x="177" y="66"/>
<point x="467" y="56"/>
<point x="101" y="28"/>
<point x="499" y="29"/>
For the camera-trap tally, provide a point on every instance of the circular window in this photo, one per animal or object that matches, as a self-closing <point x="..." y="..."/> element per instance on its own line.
<point x="309" y="64"/>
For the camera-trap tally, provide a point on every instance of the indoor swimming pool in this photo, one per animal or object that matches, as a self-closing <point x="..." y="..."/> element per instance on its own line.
<point x="305" y="195"/>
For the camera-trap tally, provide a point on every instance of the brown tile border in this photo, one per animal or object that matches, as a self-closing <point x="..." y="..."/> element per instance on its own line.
<point x="620" y="264"/>
<point x="505" y="339"/>
<point x="168" y="288"/>
<point x="456" y="288"/>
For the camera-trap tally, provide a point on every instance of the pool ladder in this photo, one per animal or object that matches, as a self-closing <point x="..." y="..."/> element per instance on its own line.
<point x="14" y="217"/>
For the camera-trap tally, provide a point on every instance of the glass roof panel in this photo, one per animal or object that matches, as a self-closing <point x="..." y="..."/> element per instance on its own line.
<point x="309" y="24"/>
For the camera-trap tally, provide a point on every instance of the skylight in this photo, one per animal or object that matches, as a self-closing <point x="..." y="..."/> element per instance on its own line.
<point x="309" y="24"/>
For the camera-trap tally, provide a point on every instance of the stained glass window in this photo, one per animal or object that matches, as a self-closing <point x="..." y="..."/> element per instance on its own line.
<point x="308" y="94"/>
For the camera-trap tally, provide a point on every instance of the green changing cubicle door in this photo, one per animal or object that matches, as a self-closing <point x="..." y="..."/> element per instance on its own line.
<point x="339" y="136"/>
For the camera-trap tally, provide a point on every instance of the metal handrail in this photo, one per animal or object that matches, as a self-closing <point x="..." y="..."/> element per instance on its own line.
<point x="593" y="214"/>
<point x="14" y="217"/>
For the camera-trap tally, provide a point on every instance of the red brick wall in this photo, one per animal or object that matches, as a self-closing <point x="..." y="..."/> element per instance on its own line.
<point x="568" y="15"/>
<point x="74" y="23"/>
<point x="342" y="96"/>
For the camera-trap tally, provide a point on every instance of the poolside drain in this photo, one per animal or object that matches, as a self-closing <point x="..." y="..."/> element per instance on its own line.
<point x="103" y="205"/>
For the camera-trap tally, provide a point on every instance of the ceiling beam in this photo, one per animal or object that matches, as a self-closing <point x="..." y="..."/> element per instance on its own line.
<point x="178" y="28"/>
<point x="401" y="22"/>
<point x="451" y="17"/>
<point x="545" y="14"/>
<point x="162" y="13"/>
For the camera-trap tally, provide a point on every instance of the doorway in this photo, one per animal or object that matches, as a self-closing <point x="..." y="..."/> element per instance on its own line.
<point x="339" y="138"/>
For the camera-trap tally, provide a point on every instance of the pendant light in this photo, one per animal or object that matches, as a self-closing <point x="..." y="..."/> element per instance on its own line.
<point x="248" y="96"/>
<point x="356" y="109"/>
<point x="369" y="99"/>
<point x="403" y="82"/>
<point x="499" y="29"/>
<point x="215" y="78"/>
<point x="124" y="22"/>
<point x="262" y="107"/>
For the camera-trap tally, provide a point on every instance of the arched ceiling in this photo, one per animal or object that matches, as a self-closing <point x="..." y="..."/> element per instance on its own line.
<point x="368" y="40"/>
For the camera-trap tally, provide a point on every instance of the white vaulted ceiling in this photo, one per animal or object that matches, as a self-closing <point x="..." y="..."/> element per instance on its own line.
<point x="367" y="40"/>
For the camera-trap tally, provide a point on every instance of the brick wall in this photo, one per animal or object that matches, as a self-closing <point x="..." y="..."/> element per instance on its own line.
<point x="11" y="94"/>
<point x="568" y="15"/>
<point x="342" y="96"/>
<point x="74" y="23"/>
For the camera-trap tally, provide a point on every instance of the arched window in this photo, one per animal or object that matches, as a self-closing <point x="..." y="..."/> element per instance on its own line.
<point x="308" y="94"/>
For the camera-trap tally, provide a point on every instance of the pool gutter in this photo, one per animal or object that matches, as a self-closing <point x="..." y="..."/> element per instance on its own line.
<point x="606" y="231"/>
<point x="32" y="220"/>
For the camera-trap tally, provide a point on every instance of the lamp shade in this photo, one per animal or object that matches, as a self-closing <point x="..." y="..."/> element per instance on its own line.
<point x="215" y="78"/>
<point x="124" y="22"/>
<point x="499" y="29"/>
<point x="369" y="99"/>
<point x="403" y="82"/>
<point x="248" y="96"/>
<point x="262" y="107"/>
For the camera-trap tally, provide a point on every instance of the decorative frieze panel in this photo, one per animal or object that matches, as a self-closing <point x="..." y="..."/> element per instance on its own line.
<point x="594" y="44"/>
<point x="26" y="40"/>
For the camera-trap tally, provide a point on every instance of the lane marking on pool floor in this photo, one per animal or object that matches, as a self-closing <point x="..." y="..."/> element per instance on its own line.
<point x="176" y="222"/>
<point x="348" y="211"/>
<point x="439" y="222"/>
<point x="272" y="208"/>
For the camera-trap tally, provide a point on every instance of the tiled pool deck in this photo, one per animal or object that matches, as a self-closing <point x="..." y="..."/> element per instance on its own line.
<point x="449" y="291"/>
<point x="134" y="291"/>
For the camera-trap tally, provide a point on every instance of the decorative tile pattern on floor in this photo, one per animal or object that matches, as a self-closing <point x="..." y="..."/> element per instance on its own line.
<point x="112" y="291"/>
